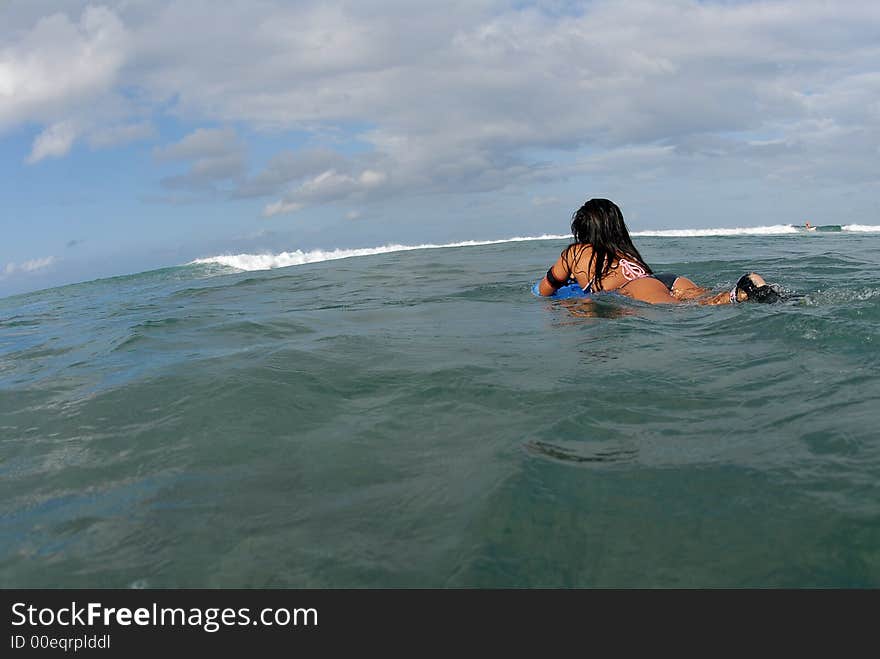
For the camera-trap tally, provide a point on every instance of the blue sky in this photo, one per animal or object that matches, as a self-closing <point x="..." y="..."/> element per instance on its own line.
<point x="137" y="134"/>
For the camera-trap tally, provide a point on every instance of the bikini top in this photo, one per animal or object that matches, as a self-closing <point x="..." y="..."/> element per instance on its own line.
<point x="630" y="271"/>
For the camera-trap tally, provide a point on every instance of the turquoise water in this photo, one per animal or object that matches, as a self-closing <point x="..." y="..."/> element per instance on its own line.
<point x="419" y="419"/>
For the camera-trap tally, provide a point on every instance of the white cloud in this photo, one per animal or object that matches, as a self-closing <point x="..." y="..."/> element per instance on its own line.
<point x="289" y="166"/>
<point x="28" y="266"/>
<point x="216" y="155"/>
<point x="327" y="187"/>
<point x="279" y="207"/>
<point x="107" y="136"/>
<point x="54" y="142"/>
<point x="370" y="178"/>
<point x="202" y="143"/>
<point x="466" y="96"/>
<point x="59" y="68"/>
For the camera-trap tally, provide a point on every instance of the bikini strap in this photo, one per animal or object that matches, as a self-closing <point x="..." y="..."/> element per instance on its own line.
<point x="632" y="271"/>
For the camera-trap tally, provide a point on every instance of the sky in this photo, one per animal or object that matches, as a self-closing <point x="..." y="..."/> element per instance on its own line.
<point x="137" y="134"/>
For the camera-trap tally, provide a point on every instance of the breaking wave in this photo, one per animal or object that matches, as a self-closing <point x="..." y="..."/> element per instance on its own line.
<point x="268" y="261"/>
<point x="299" y="257"/>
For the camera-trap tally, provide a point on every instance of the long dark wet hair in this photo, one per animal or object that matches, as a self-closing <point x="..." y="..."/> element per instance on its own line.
<point x="599" y="223"/>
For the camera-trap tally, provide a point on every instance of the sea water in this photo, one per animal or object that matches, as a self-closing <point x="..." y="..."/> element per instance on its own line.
<point x="415" y="417"/>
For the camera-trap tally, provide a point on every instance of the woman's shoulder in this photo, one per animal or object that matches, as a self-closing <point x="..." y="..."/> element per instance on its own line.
<point x="577" y="249"/>
<point x="573" y="253"/>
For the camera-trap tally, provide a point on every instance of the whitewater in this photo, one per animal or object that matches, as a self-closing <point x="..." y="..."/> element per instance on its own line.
<point x="267" y="261"/>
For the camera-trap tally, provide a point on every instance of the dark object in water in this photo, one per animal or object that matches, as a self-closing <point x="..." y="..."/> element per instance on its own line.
<point x="765" y="293"/>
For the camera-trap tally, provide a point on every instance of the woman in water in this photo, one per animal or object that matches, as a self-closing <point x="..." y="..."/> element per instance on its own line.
<point x="603" y="258"/>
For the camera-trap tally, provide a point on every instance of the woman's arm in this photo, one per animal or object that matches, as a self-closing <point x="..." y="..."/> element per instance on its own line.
<point x="721" y="298"/>
<point x="556" y="276"/>
<point x="684" y="289"/>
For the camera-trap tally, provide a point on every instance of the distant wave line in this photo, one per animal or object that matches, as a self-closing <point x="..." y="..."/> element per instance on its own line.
<point x="772" y="230"/>
<point x="861" y="228"/>
<point x="250" y="262"/>
<point x="269" y="261"/>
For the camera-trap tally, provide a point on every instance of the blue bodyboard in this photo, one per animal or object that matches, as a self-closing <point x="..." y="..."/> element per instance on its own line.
<point x="568" y="291"/>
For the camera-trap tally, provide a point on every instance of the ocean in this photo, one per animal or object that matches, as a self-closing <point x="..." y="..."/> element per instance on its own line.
<point x="412" y="416"/>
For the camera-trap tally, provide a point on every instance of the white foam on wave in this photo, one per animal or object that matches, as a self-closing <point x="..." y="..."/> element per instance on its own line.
<point x="298" y="257"/>
<point x="861" y="228"/>
<point x="268" y="261"/>
<point x="773" y="230"/>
